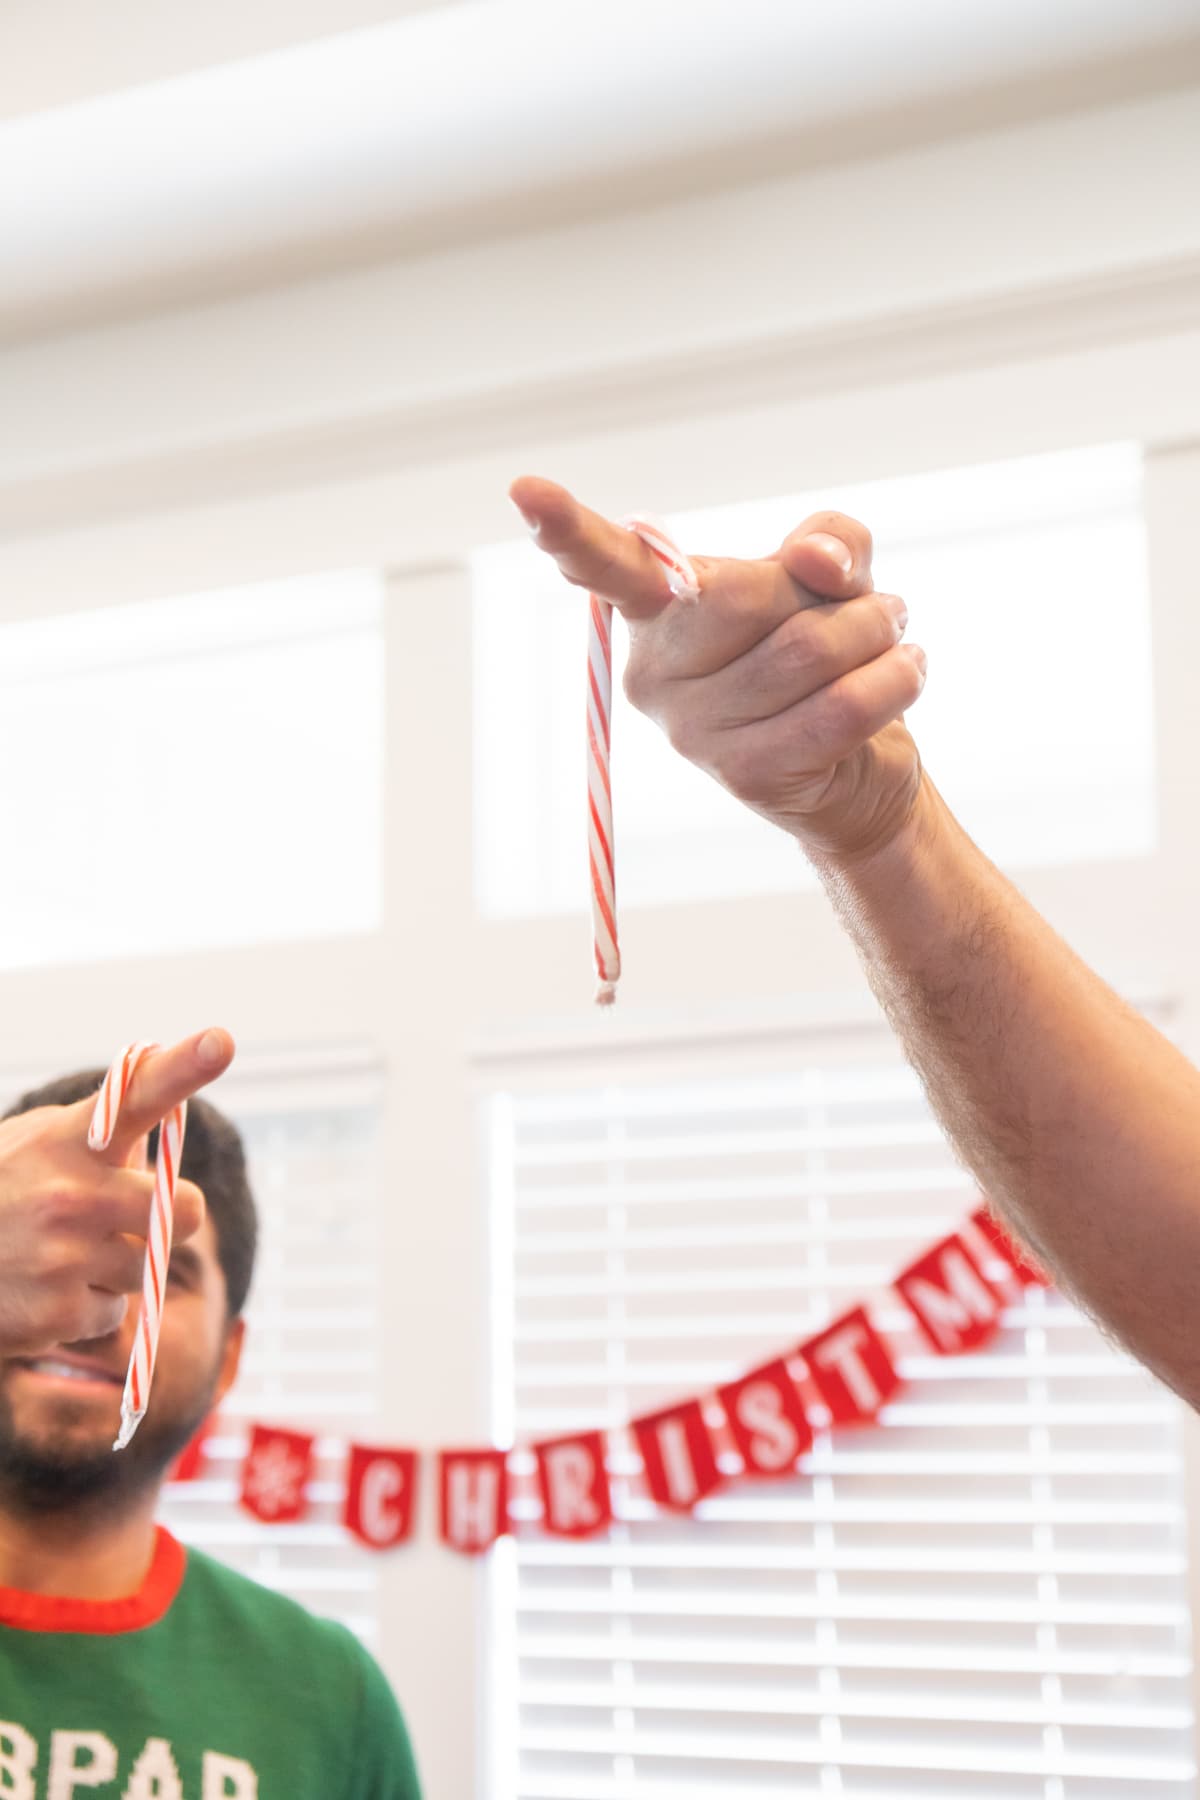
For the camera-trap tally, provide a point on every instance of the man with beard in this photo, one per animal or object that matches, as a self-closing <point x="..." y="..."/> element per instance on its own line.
<point x="127" y="1663"/>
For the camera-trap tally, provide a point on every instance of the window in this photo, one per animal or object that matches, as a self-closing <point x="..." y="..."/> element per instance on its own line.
<point x="212" y="761"/>
<point x="982" y="1596"/>
<point x="1027" y="586"/>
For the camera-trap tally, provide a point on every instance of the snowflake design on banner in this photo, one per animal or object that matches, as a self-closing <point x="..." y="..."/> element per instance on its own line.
<point x="275" y="1480"/>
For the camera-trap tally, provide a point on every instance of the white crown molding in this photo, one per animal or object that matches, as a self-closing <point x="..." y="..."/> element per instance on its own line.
<point x="491" y="115"/>
<point x="1124" y="306"/>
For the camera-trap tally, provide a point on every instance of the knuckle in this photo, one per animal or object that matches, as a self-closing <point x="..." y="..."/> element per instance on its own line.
<point x="742" y="773"/>
<point x="888" y="621"/>
<point x="688" y="736"/>
<point x="637" y="685"/>
<point x="847" y="711"/>
<point x="56" y="1205"/>
<point x="802" y="647"/>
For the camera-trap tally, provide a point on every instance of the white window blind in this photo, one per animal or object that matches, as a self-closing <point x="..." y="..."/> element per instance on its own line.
<point x="312" y="1358"/>
<point x="984" y="1595"/>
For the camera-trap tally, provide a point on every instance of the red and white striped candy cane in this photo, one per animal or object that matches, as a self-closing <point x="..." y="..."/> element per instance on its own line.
<point x="681" y="579"/>
<point x="109" y="1100"/>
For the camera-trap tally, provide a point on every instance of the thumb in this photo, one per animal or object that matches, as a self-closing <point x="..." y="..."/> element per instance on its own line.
<point x="830" y="555"/>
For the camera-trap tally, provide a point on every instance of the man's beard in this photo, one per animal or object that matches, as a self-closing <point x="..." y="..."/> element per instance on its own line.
<point x="50" y="1472"/>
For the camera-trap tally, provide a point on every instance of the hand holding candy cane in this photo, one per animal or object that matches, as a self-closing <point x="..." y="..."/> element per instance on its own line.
<point x="74" y="1222"/>
<point x="787" y="681"/>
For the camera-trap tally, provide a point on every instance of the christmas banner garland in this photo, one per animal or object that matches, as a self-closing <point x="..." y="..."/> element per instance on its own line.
<point x="843" y="1375"/>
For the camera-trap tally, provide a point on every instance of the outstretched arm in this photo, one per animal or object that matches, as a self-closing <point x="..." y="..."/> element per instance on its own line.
<point x="1080" y="1121"/>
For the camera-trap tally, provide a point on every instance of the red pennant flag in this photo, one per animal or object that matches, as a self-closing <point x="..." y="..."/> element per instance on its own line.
<point x="767" y="1419"/>
<point x="1007" y="1248"/>
<point x="955" y="1304"/>
<point x="850" y="1365"/>
<point x="474" y="1498"/>
<point x="681" y="1466"/>
<point x="380" y="1485"/>
<point x="574" y="1483"/>
<point x="275" y="1473"/>
<point x="191" y="1457"/>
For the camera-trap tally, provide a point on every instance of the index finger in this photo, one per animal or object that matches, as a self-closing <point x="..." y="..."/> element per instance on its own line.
<point x="590" y="550"/>
<point x="163" y="1079"/>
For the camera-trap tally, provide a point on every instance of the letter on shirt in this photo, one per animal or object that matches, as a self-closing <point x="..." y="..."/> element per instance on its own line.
<point x="67" y="1773"/>
<point x="227" y="1778"/>
<point x="18" y="1759"/>
<point x="154" y="1775"/>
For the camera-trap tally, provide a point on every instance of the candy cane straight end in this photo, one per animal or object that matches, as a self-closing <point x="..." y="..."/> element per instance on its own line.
<point x="683" y="583"/>
<point x="142" y="1356"/>
<point x="130" y="1420"/>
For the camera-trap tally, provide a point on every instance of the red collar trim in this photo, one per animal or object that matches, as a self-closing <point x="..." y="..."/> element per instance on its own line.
<point x="132" y="1612"/>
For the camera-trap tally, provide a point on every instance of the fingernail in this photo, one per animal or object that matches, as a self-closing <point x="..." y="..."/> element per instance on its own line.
<point x="211" y="1049"/>
<point x="899" y="612"/>
<point x="834" y="549"/>
<point x="918" y="656"/>
<point x="530" y="523"/>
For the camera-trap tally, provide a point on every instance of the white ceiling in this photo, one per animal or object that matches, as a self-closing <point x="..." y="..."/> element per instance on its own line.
<point x="458" y="120"/>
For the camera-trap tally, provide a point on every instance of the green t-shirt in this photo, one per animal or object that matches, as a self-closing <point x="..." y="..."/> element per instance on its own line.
<point x="201" y="1686"/>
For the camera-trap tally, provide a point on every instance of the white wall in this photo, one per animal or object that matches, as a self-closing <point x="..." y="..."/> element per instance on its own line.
<point x="1027" y="289"/>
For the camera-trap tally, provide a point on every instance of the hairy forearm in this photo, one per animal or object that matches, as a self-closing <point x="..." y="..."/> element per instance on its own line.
<point x="1080" y="1121"/>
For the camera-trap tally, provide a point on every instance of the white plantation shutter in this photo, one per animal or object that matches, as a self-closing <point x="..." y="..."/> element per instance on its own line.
<point x="311" y="1362"/>
<point x="984" y="1595"/>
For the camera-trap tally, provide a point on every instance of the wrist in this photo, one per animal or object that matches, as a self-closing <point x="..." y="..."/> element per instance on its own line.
<point x="890" y="857"/>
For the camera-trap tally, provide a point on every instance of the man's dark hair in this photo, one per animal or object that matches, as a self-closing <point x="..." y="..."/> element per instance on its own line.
<point x="213" y="1157"/>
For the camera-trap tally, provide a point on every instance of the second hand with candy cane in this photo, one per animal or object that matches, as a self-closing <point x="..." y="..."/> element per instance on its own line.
<point x="160" y="1228"/>
<point x="681" y="579"/>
